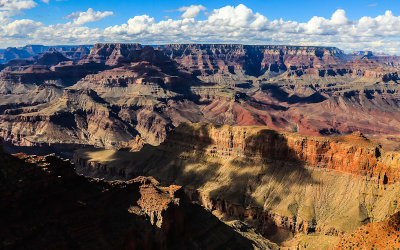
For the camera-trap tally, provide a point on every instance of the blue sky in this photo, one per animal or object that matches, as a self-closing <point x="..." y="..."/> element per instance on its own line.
<point x="347" y="24"/>
<point x="299" y="10"/>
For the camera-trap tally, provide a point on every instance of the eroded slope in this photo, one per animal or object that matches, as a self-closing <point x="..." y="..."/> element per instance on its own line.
<point x="281" y="183"/>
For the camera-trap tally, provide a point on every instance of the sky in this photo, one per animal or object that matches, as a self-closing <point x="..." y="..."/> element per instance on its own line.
<point x="347" y="24"/>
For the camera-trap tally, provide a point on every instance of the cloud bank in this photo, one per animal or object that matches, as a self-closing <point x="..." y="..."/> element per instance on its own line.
<point x="229" y="24"/>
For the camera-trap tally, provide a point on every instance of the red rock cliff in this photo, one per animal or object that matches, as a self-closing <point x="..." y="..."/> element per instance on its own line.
<point x="353" y="153"/>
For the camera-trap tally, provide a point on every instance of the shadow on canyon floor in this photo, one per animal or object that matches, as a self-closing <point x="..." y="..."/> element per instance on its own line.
<point x="79" y="213"/>
<point x="182" y="159"/>
<point x="63" y="150"/>
<point x="283" y="96"/>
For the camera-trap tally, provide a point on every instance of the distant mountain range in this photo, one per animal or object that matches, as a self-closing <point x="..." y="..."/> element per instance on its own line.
<point x="70" y="51"/>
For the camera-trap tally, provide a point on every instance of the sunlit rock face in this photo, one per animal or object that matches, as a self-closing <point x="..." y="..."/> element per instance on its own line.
<point x="283" y="184"/>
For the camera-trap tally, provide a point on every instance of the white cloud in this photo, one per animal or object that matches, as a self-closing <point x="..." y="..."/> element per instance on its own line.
<point x="191" y="11"/>
<point x="82" y="17"/>
<point x="229" y="24"/>
<point x="45" y="1"/>
<point x="16" y="4"/>
<point x="9" y="8"/>
<point x="339" y="18"/>
<point x="232" y="16"/>
<point x="19" y="28"/>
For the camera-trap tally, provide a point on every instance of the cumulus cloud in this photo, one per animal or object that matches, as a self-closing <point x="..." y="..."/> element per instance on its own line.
<point x="229" y="24"/>
<point x="20" y="28"/>
<point x="16" y="4"/>
<point x="191" y="11"/>
<point x="82" y="17"/>
<point x="9" y="8"/>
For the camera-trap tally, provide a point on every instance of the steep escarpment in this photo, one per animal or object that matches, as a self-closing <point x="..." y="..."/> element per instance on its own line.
<point x="352" y="153"/>
<point x="228" y="64"/>
<point x="210" y="60"/>
<point x="79" y="212"/>
<point x="283" y="184"/>
<point x="289" y="185"/>
<point x="110" y="53"/>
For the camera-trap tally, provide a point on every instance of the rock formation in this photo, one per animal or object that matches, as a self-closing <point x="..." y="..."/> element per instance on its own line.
<point x="311" y="90"/>
<point x="379" y="235"/>
<point x="208" y="59"/>
<point x="49" y="206"/>
<point x="281" y="183"/>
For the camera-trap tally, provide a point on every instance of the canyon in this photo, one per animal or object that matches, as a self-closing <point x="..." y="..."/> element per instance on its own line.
<point x="142" y="91"/>
<point x="235" y="146"/>
<point x="283" y="184"/>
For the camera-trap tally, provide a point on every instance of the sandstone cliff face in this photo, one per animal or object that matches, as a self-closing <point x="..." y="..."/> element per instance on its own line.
<point x="126" y="95"/>
<point x="110" y="53"/>
<point x="250" y="60"/>
<point x="77" y="53"/>
<point x="230" y="63"/>
<point x="352" y="153"/>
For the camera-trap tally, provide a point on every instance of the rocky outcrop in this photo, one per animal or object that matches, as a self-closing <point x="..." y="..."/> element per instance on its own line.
<point x="280" y="183"/>
<point x="51" y="58"/>
<point x="379" y="235"/>
<point x="110" y="53"/>
<point x="225" y="63"/>
<point x="79" y="212"/>
<point x="79" y="117"/>
<point x="75" y="53"/>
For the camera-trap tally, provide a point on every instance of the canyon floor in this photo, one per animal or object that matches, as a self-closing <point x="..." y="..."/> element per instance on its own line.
<point x="233" y="146"/>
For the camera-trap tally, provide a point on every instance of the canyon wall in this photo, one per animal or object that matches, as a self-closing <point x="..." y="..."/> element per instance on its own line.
<point x="353" y="153"/>
<point x="280" y="183"/>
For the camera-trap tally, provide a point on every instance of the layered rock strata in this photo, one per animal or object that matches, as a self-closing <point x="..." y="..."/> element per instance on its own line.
<point x="148" y="91"/>
<point x="280" y="183"/>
